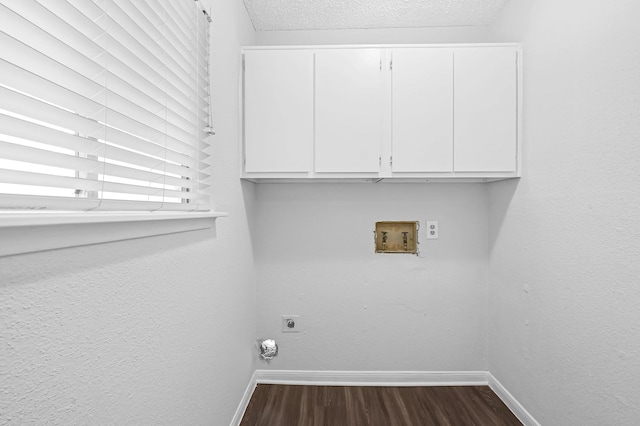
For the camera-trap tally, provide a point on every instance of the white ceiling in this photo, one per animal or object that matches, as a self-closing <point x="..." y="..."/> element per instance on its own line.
<point x="277" y="15"/>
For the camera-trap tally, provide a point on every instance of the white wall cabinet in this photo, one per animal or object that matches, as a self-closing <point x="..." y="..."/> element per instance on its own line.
<point x="485" y="125"/>
<point x="349" y="110"/>
<point x="416" y="113"/>
<point x="422" y="110"/>
<point x="278" y="111"/>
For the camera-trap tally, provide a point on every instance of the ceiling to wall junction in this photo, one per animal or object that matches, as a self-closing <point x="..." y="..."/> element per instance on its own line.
<point x="279" y="15"/>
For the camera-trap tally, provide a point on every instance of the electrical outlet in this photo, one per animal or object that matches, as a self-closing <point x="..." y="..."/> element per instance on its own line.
<point x="432" y="230"/>
<point x="291" y="324"/>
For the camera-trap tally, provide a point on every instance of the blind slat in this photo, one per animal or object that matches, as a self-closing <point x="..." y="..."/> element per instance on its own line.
<point x="115" y="189"/>
<point x="123" y="190"/>
<point x="183" y="56"/>
<point x="41" y="179"/>
<point x="25" y="57"/>
<point x="67" y="34"/>
<point x="43" y="157"/>
<point x="119" y="43"/>
<point x="159" y="55"/>
<point x="45" y="135"/>
<point x="22" y="104"/>
<point x="26" y="81"/>
<point x="164" y="17"/>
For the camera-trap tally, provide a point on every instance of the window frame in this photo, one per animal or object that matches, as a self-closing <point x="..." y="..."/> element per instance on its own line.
<point x="24" y="231"/>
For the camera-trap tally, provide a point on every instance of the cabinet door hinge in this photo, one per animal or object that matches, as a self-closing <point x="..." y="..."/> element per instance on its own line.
<point x="391" y="160"/>
<point x="380" y="160"/>
<point x="391" y="65"/>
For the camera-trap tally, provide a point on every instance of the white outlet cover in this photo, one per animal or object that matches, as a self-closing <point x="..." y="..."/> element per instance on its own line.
<point x="432" y="230"/>
<point x="291" y="323"/>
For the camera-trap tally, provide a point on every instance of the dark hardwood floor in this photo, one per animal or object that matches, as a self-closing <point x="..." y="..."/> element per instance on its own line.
<point x="291" y="405"/>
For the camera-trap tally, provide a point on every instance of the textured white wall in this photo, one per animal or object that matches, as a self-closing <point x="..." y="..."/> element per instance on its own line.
<point x="365" y="311"/>
<point x="564" y="318"/>
<point x="150" y="331"/>
<point x="375" y="36"/>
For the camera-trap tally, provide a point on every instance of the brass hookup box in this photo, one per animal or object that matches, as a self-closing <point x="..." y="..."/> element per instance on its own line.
<point x="396" y="237"/>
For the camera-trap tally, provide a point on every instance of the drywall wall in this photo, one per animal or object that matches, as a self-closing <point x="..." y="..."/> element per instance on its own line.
<point x="564" y="323"/>
<point x="374" y="36"/>
<point x="364" y="311"/>
<point x="149" y="331"/>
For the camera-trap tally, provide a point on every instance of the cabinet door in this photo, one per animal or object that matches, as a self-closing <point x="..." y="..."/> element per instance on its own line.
<point x="422" y="123"/>
<point x="278" y="102"/>
<point x="485" y="111"/>
<point x="349" y="110"/>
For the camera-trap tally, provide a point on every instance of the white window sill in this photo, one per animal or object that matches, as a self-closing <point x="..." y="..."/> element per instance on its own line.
<point x="10" y="219"/>
<point x="37" y="231"/>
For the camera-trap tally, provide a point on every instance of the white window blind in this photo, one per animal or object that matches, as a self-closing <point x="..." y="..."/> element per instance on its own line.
<point x="104" y="105"/>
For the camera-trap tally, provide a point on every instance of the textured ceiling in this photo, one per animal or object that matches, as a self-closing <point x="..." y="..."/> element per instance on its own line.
<point x="276" y="15"/>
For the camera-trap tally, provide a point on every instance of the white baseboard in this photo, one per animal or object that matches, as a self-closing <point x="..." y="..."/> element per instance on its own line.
<point x="372" y="378"/>
<point x="382" y="378"/>
<point x="516" y="408"/>
<point x="242" y="407"/>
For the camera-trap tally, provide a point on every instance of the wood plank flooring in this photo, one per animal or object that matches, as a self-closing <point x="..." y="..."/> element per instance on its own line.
<point x="293" y="405"/>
